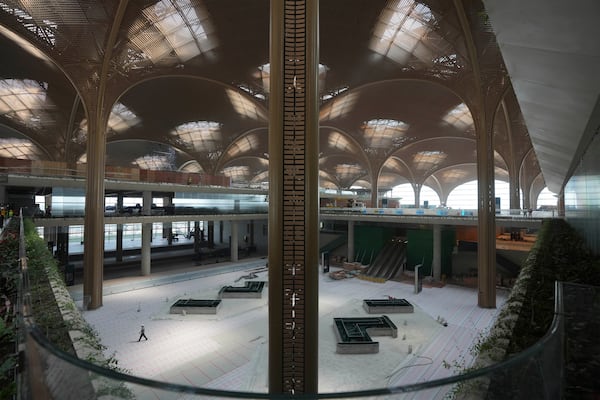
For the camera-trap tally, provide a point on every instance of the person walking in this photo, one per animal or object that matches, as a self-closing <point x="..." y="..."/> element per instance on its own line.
<point x="142" y="333"/>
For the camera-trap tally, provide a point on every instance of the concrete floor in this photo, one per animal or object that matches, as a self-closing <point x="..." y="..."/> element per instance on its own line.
<point x="229" y="350"/>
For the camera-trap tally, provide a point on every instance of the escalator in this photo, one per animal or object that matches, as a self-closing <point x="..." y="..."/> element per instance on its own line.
<point x="389" y="262"/>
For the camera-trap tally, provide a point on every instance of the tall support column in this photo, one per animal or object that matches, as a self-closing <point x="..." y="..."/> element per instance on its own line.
<point x="233" y="246"/>
<point x="417" y="188"/>
<point x="146" y="248"/>
<point x="486" y="201"/>
<point x="119" y="239"/>
<point x="119" y="243"/>
<point x="146" y="234"/>
<point x="350" y="241"/>
<point x="197" y="237"/>
<point x="210" y="234"/>
<point x="527" y="198"/>
<point x="515" y="195"/>
<point x="486" y="220"/>
<point x="93" y="234"/>
<point x="486" y="223"/>
<point x="294" y="198"/>
<point x="98" y="110"/>
<point x="436" y="263"/>
<point x="374" y="192"/>
<point x="146" y="202"/>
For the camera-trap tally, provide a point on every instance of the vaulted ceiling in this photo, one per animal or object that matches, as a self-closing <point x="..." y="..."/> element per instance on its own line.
<point x="187" y="83"/>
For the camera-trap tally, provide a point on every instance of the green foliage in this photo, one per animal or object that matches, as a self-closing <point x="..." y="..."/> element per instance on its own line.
<point x="46" y="312"/>
<point x="48" y="315"/>
<point x="559" y="254"/>
<point x="46" y="309"/>
<point x="9" y="279"/>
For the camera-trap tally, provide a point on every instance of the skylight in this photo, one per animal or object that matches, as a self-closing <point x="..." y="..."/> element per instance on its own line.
<point x="153" y="162"/>
<point x="428" y="159"/>
<point x="237" y="173"/>
<point x="24" y="100"/>
<point x="383" y="133"/>
<point x="460" y="117"/>
<point x="338" y="107"/>
<point x="199" y="135"/>
<point x="21" y="149"/>
<point x="345" y="171"/>
<point x="243" y="145"/>
<point x="244" y="106"/>
<point x="404" y="30"/>
<point x="43" y="29"/>
<point x="454" y="175"/>
<point x="181" y="28"/>
<point x="338" y="141"/>
<point x="122" y="118"/>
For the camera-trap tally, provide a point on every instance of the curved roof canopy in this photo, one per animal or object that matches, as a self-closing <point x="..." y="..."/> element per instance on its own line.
<point x="187" y="83"/>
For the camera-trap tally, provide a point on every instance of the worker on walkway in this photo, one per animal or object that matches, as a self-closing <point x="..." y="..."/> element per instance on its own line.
<point x="142" y="333"/>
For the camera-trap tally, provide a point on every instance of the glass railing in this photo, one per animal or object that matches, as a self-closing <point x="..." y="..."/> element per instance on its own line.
<point x="438" y="212"/>
<point x="536" y="373"/>
<point x="533" y="374"/>
<point x="54" y="169"/>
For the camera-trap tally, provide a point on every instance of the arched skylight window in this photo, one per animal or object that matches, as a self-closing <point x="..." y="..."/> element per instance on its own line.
<point x="338" y="107"/>
<point x="43" y="29"/>
<point x="459" y="117"/>
<point x="244" y="107"/>
<point x="24" y="100"/>
<point x="426" y="160"/>
<point x="238" y="173"/>
<point x="122" y="118"/>
<point x="21" y="149"/>
<point x="181" y="28"/>
<point x="153" y="162"/>
<point x="339" y="142"/>
<point x="199" y="135"/>
<point x="404" y="30"/>
<point x="345" y="171"/>
<point x="243" y="145"/>
<point x="384" y="133"/>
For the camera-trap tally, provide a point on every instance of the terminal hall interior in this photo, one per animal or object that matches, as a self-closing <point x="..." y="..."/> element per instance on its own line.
<point x="246" y="129"/>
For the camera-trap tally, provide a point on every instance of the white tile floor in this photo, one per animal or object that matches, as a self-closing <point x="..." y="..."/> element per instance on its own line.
<point x="229" y="350"/>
